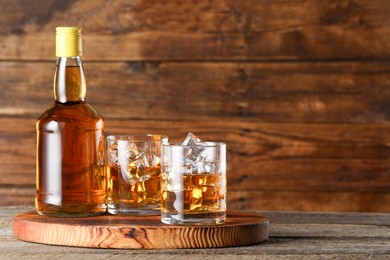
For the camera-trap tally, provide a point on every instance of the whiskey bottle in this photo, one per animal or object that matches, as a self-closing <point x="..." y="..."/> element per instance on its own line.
<point x="70" y="141"/>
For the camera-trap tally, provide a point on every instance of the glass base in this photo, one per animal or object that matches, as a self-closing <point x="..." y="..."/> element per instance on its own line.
<point x="71" y="211"/>
<point x="211" y="218"/>
<point x="148" y="210"/>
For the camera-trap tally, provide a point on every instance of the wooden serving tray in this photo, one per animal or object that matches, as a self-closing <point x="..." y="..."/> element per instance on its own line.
<point x="116" y="231"/>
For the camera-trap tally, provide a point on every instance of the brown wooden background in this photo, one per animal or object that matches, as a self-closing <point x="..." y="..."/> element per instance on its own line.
<point x="298" y="89"/>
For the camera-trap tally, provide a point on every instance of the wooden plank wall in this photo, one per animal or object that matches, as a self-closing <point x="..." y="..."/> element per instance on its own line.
<point x="298" y="89"/>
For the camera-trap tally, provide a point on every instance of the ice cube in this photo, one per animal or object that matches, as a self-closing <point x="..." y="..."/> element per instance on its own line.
<point x="211" y="167"/>
<point x="113" y="153"/>
<point x="113" y="147"/>
<point x="143" y="173"/>
<point x="195" y="147"/>
<point x="196" y="198"/>
<point x="152" y="152"/>
<point x="189" y="166"/>
<point x="113" y="158"/>
<point x="134" y="153"/>
<point x="191" y="140"/>
<point x="194" y="152"/>
<point x="151" y="159"/>
<point x="129" y="174"/>
<point x="133" y="163"/>
<point x="134" y="174"/>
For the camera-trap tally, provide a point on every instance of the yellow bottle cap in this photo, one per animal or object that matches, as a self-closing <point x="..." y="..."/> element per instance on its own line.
<point x="68" y="41"/>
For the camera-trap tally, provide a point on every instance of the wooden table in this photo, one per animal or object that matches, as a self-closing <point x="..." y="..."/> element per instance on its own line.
<point x="293" y="235"/>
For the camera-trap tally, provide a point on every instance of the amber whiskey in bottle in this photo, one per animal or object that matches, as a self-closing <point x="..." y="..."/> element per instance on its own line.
<point x="70" y="140"/>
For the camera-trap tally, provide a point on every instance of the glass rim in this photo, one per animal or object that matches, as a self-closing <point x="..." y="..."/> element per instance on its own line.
<point x="137" y="137"/>
<point x="208" y="144"/>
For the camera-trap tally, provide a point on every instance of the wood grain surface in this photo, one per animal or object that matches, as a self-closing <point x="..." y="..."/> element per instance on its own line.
<point x="315" y="92"/>
<point x="200" y="30"/>
<point x="292" y="235"/>
<point x="146" y="232"/>
<point x="299" y="90"/>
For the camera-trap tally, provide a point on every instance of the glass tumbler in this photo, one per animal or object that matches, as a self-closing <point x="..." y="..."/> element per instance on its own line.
<point x="133" y="174"/>
<point x="193" y="183"/>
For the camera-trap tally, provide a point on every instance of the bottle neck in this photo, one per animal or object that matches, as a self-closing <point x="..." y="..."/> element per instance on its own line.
<point x="69" y="80"/>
